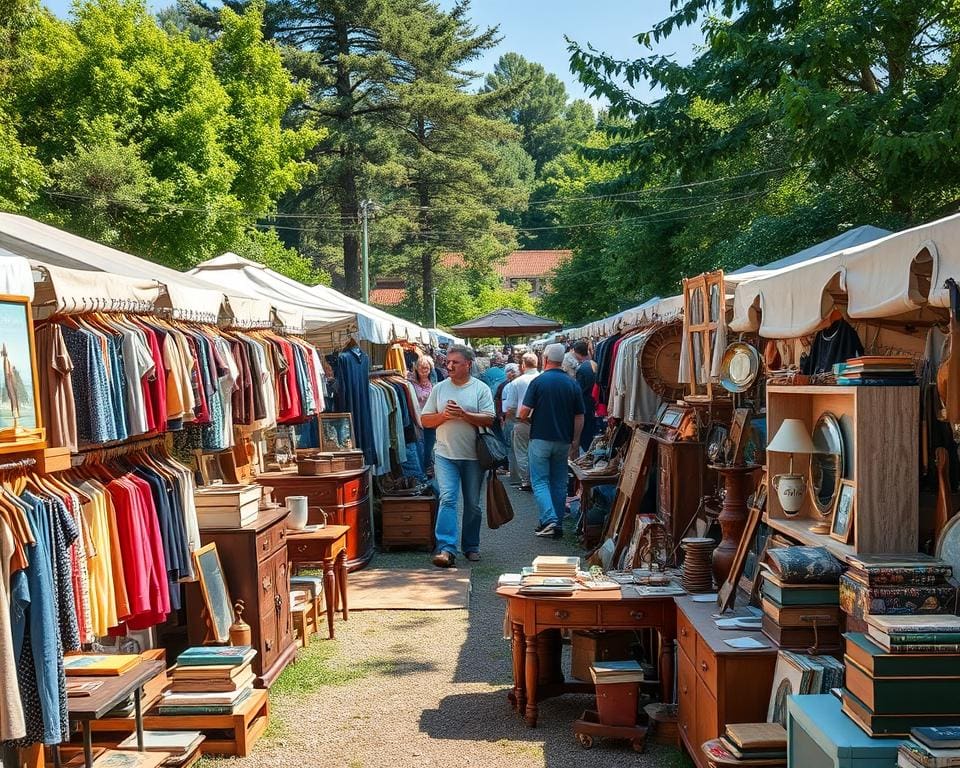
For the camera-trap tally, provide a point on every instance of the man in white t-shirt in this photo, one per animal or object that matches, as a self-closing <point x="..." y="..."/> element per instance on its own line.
<point x="512" y="400"/>
<point x="455" y="408"/>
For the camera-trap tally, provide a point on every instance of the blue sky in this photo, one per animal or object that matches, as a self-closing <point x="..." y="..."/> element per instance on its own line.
<point x="536" y="29"/>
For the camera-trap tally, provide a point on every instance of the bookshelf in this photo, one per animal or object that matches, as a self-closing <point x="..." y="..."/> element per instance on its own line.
<point x="880" y="427"/>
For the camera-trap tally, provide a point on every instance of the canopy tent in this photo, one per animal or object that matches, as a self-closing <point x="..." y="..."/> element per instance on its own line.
<point x="81" y="275"/>
<point x="644" y="313"/>
<point x="375" y="325"/>
<point x="898" y="277"/>
<point x="506" y="322"/>
<point x="439" y="336"/>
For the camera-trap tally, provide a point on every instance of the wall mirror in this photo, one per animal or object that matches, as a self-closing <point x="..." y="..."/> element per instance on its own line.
<point x="826" y="466"/>
<point x="213" y="584"/>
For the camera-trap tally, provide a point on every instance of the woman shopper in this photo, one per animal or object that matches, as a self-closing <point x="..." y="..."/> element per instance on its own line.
<point x="422" y="377"/>
<point x="455" y="408"/>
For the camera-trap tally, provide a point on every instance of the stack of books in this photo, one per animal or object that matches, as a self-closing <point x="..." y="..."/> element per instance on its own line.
<point x="931" y="748"/>
<point x="877" y="371"/>
<point x="759" y="744"/>
<point x="209" y="680"/>
<point x="556" y="565"/>
<point x="897" y="584"/>
<point x="603" y="672"/>
<point x="182" y="748"/>
<point x="227" y="506"/>
<point x="903" y="673"/>
<point x="800" y="616"/>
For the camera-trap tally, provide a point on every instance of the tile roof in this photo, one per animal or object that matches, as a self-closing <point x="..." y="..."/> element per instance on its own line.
<point x="518" y="263"/>
<point x="387" y="297"/>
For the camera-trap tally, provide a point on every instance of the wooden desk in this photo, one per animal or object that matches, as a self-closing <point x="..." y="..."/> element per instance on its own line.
<point x="328" y="547"/>
<point x="587" y="482"/>
<point x="115" y="689"/>
<point x="536" y="668"/>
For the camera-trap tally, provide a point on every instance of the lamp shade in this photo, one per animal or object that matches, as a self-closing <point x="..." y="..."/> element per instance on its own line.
<point x="792" y="437"/>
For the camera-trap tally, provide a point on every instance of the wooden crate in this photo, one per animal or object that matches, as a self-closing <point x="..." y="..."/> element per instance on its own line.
<point x="587" y="647"/>
<point x="880" y="428"/>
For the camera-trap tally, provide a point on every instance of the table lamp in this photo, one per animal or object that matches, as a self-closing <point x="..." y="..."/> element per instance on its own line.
<point x="792" y="437"/>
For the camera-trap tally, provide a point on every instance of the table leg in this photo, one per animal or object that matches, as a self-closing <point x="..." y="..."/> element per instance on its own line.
<point x="518" y="696"/>
<point x="532" y="674"/>
<point x="329" y="592"/>
<point x="138" y="716"/>
<point x="87" y="745"/>
<point x="342" y="581"/>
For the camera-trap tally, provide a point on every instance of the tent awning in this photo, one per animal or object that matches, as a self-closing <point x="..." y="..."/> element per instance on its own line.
<point x="899" y="276"/>
<point x="505" y="322"/>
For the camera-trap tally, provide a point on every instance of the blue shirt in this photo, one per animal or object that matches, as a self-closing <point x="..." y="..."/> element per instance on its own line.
<point x="492" y="377"/>
<point x="555" y="399"/>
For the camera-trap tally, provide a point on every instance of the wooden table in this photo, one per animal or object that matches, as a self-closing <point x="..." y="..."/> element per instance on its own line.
<point x="114" y="690"/>
<point x="327" y="547"/>
<point x="536" y="667"/>
<point x="587" y="481"/>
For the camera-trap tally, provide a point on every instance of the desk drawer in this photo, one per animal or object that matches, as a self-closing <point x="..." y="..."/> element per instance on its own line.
<point x="405" y="533"/>
<point x="707" y="665"/>
<point x="406" y="518"/>
<point x="306" y="550"/>
<point x="632" y="614"/>
<point x="567" y="614"/>
<point x="686" y="695"/>
<point x="354" y="489"/>
<point x="686" y="635"/>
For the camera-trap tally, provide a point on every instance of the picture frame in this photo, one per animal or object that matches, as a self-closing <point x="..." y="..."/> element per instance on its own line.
<point x="844" y="511"/>
<point x="726" y="596"/>
<point x="336" y="432"/>
<point x="21" y="422"/>
<point x="216" y="594"/>
<point x="738" y="433"/>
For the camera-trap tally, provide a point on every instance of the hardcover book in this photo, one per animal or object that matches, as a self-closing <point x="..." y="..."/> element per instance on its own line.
<point x="209" y="672"/>
<point x="805" y="565"/>
<point x="212" y="655"/>
<point x="175" y="742"/>
<point x="888" y="725"/>
<point x="880" y="663"/>
<point x="753" y="736"/>
<point x="943" y="737"/>
<point x="759" y="754"/>
<point x="861" y="601"/>
<point x="916" y="624"/>
<point x="881" y="569"/>
<point x="914" y="754"/>
<point x="99" y="664"/>
<point x="203" y="709"/>
<point x="801" y="638"/>
<point x="111" y="758"/>
<point x="802" y="615"/>
<point x="904" y="695"/>
<point x="799" y="594"/>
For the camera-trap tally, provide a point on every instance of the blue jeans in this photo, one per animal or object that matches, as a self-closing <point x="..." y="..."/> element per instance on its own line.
<point x="427" y="440"/>
<point x="548" y="476"/>
<point x="454" y="476"/>
<point x="508" y="427"/>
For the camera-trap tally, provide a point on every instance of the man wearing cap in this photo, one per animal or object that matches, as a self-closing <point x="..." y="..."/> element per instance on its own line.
<point x="513" y="395"/>
<point x="554" y="406"/>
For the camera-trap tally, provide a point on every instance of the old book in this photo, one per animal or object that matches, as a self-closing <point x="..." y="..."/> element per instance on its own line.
<point x="752" y="736"/>
<point x="888" y="725"/>
<point x="77" y="688"/>
<point x="904" y="695"/>
<point x="189" y="685"/>
<point x="99" y="664"/>
<point x="804" y="565"/>
<point x="111" y="758"/>
<point x="203" y="709"/>
<point x="212" y="655"/>
<point x="718" y="754"/>
<point x="861" y="601"/>
<point x="914" y="630"/>
<point x="917" y="754"/>
<point x="802" y="615"/>
<point x="196" y="698"/>
<point x="759" y="754"/>
<point x="942" y="737"/>
<point x="880" y="663"/>
<point x="801" y="638"/>
<point x="906" y="568"/>
<point x="799" y="594"/>
<point x="209" y="672"/>
<point x="174" y="742"/>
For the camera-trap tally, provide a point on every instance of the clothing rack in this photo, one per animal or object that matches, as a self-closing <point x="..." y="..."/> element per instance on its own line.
<point x="19" y="465"/>
<point x="99" y="453"/>
<point x="385" y="372"/>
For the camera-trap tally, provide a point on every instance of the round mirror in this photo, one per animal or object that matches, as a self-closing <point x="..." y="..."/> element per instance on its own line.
<point x="826" y="466"/>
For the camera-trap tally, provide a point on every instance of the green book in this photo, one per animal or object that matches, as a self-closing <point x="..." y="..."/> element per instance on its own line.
<point x="889" y="725"/>
<point x="215" y="655"/>
<point x="923" y="638"/>
<point x="904" y="695"/>
<point x="867" y="654"/>
<point x="801" y="594"/>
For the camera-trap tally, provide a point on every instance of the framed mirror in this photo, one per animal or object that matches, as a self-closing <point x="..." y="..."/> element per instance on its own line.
<point x="826" y="466"/>
<point x="216" y="595"/>
<point x="336" y="432"/>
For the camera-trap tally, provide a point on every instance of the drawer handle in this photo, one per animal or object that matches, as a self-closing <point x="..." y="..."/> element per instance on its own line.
<point x="267" y="583"/>
<point x="561" y="614"/>
<point x="637" y="615"/>
<point x="703" y="666"/>
<point x="407" y="531"/>
<point x="283" y="533"/>
<point x="684" y="689"/>
<point x="265" y="544"/>
<point x="406" y="517"/>
<point x="302" y="548"/>
<point x="269" y="645"/>
<point x="683" y="631"/>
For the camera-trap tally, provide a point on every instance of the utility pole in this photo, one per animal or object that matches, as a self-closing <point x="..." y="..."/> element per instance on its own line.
<point x="433" y="312"/>
<point x="366" y="207"/>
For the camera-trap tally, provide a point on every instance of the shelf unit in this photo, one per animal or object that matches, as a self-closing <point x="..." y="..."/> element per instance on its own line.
<point x="880" y="428"/>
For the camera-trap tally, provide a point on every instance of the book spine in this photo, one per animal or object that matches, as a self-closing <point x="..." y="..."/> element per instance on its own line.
<point x="861" y="601"/>
<point x="922" y="638"/>
<point x="199" y="709"/>
<point x="925" y="648"/>
<point x="918" y="577"/>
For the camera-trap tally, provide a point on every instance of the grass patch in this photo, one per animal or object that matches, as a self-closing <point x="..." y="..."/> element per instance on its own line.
<point x="518" y="748"/>
<point x="316" y="667"/>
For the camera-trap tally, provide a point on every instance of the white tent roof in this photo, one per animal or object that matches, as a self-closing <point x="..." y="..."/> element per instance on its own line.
<point x="897" y="276"/>
<point x="438" y="336"/>
<point x="375" y="325"/>
<point x="80" y="274"/>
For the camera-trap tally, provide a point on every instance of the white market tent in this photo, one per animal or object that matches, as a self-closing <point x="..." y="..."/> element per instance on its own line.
<point x="898" y="277"/>
<point x="327" y="316"/>
<point x="439" y="336"/>
<point x="76" y="274"/>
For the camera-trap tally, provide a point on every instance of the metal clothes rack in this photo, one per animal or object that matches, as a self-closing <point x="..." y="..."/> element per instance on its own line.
<point x="20" y="465"/>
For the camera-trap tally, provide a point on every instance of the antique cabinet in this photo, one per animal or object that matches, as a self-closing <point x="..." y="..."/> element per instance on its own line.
<point x="682" y="479"/>
<point x="343" y="496"/>
<point x="408" y="521"/>
<point x="254" y="561"/>
<point x="716" y="684"/>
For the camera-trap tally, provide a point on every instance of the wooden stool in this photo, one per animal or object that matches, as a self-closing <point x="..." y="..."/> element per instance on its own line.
<point x="304" y="618"/>
<point x="314" y="585"/>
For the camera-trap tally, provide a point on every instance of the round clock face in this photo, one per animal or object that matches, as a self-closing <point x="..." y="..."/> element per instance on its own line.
<point x="660" y="361"/>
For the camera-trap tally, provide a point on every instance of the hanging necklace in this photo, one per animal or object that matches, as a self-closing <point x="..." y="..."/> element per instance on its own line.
<point x="831" y="337"/>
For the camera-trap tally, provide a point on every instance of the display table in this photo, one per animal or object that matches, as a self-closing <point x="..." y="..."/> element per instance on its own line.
<point x="114" y="690"/>
<point x="328" y="548"/>
<point x="343" y="496"/>
<point x="536" y="620"/>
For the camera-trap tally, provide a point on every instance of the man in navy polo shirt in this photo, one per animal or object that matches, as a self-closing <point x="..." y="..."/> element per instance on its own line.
<point x="554" y="406"/>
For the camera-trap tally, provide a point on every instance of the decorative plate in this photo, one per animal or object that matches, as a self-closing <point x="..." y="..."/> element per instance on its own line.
<point x="660" y="361"/>
<point x="740" y="366"/>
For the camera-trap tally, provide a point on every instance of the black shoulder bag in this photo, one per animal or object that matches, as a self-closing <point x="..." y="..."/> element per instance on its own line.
<point x="491" y="450"/>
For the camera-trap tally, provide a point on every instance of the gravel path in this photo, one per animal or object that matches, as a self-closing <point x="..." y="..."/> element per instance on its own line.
<point x="428" y="688"/>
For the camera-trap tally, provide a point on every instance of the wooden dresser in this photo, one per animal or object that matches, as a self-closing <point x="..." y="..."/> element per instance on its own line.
<point x="717" y="684"/>
<point x="408" y="521"/>
<point x="344" y="496"/>
<point x="254" y="560"/>
<point x="680" y="467"/>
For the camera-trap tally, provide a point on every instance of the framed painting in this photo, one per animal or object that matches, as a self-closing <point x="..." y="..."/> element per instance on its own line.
<point x="336" y="432"/>
<point x="21" y="424"/>
<point x="843" y="512"/>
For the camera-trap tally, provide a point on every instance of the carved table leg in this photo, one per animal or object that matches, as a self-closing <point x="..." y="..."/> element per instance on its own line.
<point x="518" y="696"/>
<point x="329" y="592"/>
<point x="531" y="673"/>
<point x="342" y="581"/>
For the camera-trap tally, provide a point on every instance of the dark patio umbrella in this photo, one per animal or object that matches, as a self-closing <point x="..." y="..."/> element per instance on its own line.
<point x="505" y="322"/>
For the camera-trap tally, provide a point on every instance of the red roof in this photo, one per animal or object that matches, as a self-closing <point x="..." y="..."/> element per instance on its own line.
<point x="387" y="297"/>
<point x="518" y="263"/>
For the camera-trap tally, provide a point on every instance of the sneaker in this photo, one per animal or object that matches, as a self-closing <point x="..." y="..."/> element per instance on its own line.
<point x="548" y="530"/>
<point x="473" y="557"/>
<point x="444" y="560"/>
<point x="526" y="487"/>
<point x="540" y="527"/>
